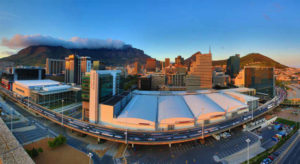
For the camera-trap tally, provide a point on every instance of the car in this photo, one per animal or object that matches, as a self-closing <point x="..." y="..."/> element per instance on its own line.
<point x="195" y="135"/>
<point x="107" y="134"/>
<point x="151" y="139"/>
<point x="276" y="153"/>
<point x="92" y="131"/>
<point x="266" y="161"/>
<point x="136" y="139"/>
<point x="179" y="137"/>
<point x="272" y="158"/>
<point x="118" y="136"/>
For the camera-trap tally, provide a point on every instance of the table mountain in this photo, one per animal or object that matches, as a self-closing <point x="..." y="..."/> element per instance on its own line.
<point x="36" y="55"/>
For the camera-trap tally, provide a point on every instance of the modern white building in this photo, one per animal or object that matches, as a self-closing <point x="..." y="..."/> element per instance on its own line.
<point x="103" y="85"/>
<point x="167" y="110"/>
<point x="48" y="93"/>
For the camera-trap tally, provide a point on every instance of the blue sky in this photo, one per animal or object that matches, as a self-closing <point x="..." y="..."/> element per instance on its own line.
<point x="164" y="28"/>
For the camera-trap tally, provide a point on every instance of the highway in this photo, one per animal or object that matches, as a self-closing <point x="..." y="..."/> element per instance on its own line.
<point x="293" y="154"/>
<point x="146" y="137"/>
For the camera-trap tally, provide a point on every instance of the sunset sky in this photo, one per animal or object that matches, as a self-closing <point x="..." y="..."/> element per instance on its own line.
<point x="160" y="28"/>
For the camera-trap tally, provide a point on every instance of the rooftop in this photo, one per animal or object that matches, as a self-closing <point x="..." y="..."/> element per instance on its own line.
<point x="180" y="106"/>
<point x="36" y="83"/>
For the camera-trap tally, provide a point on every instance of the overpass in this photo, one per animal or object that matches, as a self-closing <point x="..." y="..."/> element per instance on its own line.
<point x="141" y="136"/>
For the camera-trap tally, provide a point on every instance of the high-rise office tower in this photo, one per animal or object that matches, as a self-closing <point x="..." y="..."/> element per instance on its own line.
<point x="167" y="62"/>
<point x="137" y="68"/>
<point x="200" y="74"/>
<point x="76" y="67"/>
<point x="97" y="65"/>
<point x="179" y="60"/>
<point x="55" y="66"/>
<point x="85" y="64"/>
<point x="103" y="85"/>
<point x="72" y="69"/>
<point x="151" y="65"/>
<point x="233" y="66"/>
<point x="260" y="78"/>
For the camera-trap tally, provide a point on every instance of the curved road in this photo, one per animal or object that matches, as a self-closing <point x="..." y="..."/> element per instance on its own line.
<point x="146" y="137"/>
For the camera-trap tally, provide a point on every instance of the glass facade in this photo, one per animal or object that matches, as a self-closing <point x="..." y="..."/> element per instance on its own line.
<point x="233" y="66"/>
<point x="54" y="99"/>
<point x="261" y="79"/>
<point x="105" y="87"/>
<point x="30" y="74"/>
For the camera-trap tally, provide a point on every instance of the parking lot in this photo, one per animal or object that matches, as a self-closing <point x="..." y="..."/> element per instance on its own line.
<point x="267" y="133"/>
<point x="191" y="152"/>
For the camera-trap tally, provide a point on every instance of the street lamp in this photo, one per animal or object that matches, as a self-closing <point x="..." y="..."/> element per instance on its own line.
<point x="28" y="102"/>
<point x="11" y="116"/>
<point x="248" y="141"/>
<point x="202" y="109"/>
<point x="90" y="155"/>
<point x="126" y="132"/>
<point x="252" y="107"/>
<point x="62" y="114"/>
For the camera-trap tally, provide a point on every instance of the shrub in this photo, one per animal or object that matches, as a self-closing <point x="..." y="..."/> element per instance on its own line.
<point x="34" y="152"/>
<point x="40" y="150"/>
<point x="59" y="140"/>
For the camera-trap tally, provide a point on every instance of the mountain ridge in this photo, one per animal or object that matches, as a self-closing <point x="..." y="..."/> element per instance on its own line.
<point x="251" y="59"/>
<point x="36" y="55"/>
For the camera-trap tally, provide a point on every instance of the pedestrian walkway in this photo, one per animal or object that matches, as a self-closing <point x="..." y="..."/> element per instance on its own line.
<point x="68" y="107"/>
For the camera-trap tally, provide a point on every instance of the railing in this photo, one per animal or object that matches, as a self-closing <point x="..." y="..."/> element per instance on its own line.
<point x="136" y="132"/>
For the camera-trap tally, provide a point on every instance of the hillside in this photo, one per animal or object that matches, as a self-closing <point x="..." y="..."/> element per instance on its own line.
<point x="252" y="59"/>
<point x="36" y="55"/>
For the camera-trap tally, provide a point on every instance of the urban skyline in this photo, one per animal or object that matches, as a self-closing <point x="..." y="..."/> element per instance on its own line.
<point x="159" y="81"/>
<point x="269" y="28"/>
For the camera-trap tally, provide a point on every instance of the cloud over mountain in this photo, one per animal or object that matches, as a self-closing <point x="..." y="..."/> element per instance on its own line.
<point x="21" y="41"/>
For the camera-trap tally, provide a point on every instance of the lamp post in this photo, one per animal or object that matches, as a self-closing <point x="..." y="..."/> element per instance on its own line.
<point x="11" y="116"/>
<point x="62" y="113"/>
<point x="202" y="109"/>
<point x="126" y="132"/>
<point x="90" y="155"/>
<point x="28" y="102"/>
<point x="248" y="141"/>
<point x="252" y="108"/>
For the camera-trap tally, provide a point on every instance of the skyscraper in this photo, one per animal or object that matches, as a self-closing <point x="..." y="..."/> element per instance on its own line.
<point x="200" y="74"/>
<point x="76" y="67"/>
<point x="103" y="85"/>
<point x="137" y="67"/>
<point x="72" y="69"/>
<point x="151" y="65"/>
<point x="167" y="62"/>
<point x="85" y="64"/>
<point x="260" y="78"/>
<point x="233" y="66"/>
<point x="179" y="60"/>
<point x="55" y="66"/>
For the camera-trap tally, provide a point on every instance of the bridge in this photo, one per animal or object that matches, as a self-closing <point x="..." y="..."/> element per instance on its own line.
<point x="144" y="137"/>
